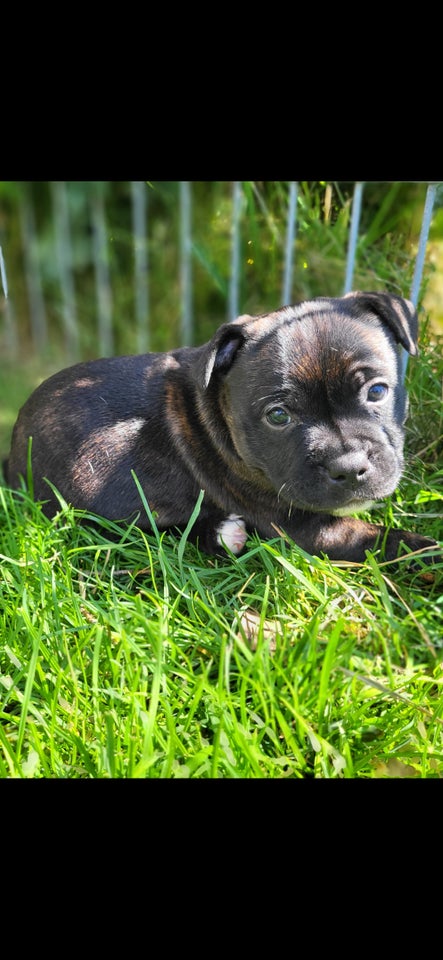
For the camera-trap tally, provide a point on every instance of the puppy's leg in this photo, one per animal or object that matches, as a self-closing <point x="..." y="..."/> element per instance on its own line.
<point x="232" y="533"/>
<point x="215" y="533"/>
<point x="348" y="538"/>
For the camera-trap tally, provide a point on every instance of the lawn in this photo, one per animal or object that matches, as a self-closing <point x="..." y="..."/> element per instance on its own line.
<point x="124" y="655"/>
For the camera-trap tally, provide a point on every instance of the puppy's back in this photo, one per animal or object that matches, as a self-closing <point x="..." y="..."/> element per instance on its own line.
<point x="99" y="406"/>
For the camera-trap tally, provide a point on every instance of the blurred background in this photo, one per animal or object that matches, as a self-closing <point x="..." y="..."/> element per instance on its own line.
<point x="94" y="268"/>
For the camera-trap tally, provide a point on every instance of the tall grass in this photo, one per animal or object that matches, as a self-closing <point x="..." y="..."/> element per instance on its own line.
<point x="127" y="655"/>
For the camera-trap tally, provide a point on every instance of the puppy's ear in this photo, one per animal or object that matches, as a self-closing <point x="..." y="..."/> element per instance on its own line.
<point x="219" y="354"/>
<point x="398" y="314"/>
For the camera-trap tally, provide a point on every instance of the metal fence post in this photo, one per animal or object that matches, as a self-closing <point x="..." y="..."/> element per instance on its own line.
<point x="353" y="236"/>
<point x="141" y="264"/>
<point x="234" y="280"/>
<point x="185" y="263"/>
<point x="290" y="240"/>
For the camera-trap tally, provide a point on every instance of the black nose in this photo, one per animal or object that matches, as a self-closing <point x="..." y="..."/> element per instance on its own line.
<point x="348" y="468"/>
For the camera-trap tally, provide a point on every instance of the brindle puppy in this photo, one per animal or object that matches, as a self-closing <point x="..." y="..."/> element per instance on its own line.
<point x="289" y="421"/>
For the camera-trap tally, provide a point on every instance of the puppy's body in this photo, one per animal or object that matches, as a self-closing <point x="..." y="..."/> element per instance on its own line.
<point x="289" y="420"/>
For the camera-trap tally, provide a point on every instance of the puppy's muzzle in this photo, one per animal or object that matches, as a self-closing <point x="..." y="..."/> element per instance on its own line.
<point x="349" y="470"/>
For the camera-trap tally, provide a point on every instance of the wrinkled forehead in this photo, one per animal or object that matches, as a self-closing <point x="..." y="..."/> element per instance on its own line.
<point x="332" y="348"/>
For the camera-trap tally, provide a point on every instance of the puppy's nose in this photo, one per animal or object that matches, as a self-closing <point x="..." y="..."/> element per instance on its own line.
<point x="349" y="467"/>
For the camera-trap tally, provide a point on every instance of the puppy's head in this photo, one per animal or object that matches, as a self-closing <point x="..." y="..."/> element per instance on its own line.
<point x="313" y="399"/>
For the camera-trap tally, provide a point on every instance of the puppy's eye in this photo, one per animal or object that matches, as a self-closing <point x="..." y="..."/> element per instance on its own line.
<point x="278" y="417"/>
<point x="377" y="392"/>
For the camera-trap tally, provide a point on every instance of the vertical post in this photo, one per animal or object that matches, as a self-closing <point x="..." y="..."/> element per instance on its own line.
<point x="141" y="264"/>
<point x="39" y="327"/>
<point x="353" y="236"/>
<point x="290" y="239"/>
<point x="234" y="280"/>
<point x="10" y="327"/>
<point x="101" y="265"/>
<point x="185" y="263"/>
<point x="420" y="258"/>
<point x="63" y="247"/>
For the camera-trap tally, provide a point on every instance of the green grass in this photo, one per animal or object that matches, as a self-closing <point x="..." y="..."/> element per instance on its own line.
<point x="123" y="655"/>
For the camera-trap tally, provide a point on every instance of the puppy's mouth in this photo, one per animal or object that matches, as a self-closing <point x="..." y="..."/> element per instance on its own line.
<point x="335" y="506"/>
<point x="354" y="506"/>
<point x="350" y="483"/>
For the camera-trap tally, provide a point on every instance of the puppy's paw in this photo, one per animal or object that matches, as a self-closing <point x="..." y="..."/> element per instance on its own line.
<point x="414" y="542"/>
<point x="421" y="554"/>
<point x="232" y="533"/>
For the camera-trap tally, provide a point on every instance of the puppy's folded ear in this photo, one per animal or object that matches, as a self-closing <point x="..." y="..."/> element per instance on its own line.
<point x="398" y="314"/>
<point x="219" y="354"/>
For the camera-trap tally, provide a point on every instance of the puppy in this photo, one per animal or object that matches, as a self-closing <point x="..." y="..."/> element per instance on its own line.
<point x="289" y="421"/>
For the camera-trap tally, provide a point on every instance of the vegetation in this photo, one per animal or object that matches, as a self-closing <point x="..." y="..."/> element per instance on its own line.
<point x="124" y="655"/>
